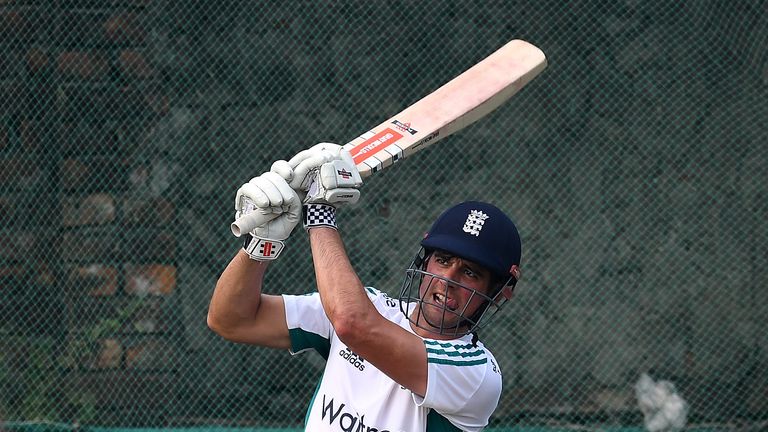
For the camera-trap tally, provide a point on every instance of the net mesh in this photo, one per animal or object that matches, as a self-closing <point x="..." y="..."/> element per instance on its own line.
<point x="635" y="167"/>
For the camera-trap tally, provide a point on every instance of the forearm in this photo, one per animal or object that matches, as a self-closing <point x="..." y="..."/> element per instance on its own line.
<point x="237" y="296"/>
<point x="396" y="352"/>
<point x="341" y="291"/>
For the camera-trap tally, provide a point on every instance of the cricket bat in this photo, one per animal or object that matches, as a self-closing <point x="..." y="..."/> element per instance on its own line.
<point x="452" y="107"/>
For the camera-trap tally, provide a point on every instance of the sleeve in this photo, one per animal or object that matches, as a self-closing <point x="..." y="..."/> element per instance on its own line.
<point x="308" y="326"/>
<point x="463" y="384"/>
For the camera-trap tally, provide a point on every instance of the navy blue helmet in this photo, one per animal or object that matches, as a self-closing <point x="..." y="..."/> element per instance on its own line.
<point x="474" y="231"/>
<point x="479" y="232"/>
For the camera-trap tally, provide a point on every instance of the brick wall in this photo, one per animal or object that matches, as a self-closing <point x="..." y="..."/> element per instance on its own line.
<point x="87" y="253"/>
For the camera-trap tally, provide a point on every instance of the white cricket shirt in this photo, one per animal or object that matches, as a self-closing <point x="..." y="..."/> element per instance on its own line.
<point x="463" y="381"/>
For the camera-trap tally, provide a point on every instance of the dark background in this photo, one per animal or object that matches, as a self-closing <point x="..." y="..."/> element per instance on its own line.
<point x="635" y="167"/>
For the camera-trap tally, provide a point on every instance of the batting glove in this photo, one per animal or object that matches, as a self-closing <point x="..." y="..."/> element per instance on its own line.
<point x="270" y="195"/>
<point x="326" y="172"/>
<point x="313" y="214"/>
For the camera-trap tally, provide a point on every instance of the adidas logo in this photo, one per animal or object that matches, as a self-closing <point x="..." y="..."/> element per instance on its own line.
<point x="353" y="359"/>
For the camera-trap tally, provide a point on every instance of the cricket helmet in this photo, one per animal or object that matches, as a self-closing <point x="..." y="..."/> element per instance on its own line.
<point x="475" y="231"/>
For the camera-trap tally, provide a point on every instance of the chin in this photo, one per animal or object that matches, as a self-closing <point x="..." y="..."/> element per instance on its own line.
<point x="434" y="322"/>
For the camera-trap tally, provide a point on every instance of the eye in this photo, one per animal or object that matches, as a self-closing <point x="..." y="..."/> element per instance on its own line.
<point x="470" y="273"/>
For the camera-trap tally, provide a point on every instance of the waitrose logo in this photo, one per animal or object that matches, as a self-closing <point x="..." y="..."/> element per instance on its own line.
<point x="345" y="420"/>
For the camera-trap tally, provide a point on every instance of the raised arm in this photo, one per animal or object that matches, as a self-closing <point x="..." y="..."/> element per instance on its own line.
<point x="396" y="352"/>
<point x="328" y="174"/>
<point x="239" y="310"/>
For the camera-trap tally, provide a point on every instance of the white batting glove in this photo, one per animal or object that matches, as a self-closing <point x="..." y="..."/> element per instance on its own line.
<point x="326" y="172"/>
<point x="268" y="193"/>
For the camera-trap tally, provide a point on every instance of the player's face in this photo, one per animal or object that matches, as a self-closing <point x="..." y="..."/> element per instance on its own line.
<point x="446" y="303"/>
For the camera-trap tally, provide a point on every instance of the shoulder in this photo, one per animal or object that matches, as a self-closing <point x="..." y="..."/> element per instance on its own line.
<point x="460" y="353"/>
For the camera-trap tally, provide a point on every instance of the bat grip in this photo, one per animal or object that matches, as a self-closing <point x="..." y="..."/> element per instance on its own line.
<point x="251" y="221"/>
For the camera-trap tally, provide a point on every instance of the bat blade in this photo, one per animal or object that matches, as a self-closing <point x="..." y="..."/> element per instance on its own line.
<point x="452" y="107"/>
<point x="457" y="104"/>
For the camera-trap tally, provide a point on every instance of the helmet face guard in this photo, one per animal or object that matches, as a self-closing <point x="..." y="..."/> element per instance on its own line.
<point x="417" y="296"/>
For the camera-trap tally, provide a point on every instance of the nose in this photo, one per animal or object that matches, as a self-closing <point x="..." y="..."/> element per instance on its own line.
<point x="452" y="273"/>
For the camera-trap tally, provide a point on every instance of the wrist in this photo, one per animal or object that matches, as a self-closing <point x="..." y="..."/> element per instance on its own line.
<point x="317" y="215"/>
<point x="243" y="256"/>
<point x="262" y="249"/>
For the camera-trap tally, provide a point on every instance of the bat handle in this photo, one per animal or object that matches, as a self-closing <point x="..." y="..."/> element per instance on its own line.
<point x="251" y="221"/>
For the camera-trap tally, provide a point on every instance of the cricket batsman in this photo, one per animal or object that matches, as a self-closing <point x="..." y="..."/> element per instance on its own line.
<point x="410" y="364"/>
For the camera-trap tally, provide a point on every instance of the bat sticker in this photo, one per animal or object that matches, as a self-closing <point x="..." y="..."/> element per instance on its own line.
<point x="373" y="144"/>
<point x="405" y="127"/>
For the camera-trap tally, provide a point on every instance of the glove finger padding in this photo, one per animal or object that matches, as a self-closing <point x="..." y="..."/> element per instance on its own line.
<point x="280" y="227"/>
<point x="283" y="169"/>
<point x="269" y="194"/>
<point x="266" y="242"/>
<point x="307" y="162"/>
<point x="267" y="191"/>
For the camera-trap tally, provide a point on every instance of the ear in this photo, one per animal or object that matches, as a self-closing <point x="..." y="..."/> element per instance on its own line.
<point x="508" y="290"/>
<point x="515" y="271"/>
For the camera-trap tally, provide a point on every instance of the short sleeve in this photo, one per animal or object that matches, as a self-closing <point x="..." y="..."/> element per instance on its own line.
<point x="308" y="326"/>
<point x="463" y="383"/>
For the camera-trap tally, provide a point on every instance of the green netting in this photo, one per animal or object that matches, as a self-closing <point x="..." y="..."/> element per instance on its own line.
<point x="635" y="166"/>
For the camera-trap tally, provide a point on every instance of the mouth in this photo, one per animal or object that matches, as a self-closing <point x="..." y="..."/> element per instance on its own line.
<point x="441" y="300"/>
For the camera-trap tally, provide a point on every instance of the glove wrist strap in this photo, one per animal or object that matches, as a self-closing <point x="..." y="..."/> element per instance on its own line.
<point x="261" y="249"/>
<point x="319" y="215"/>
